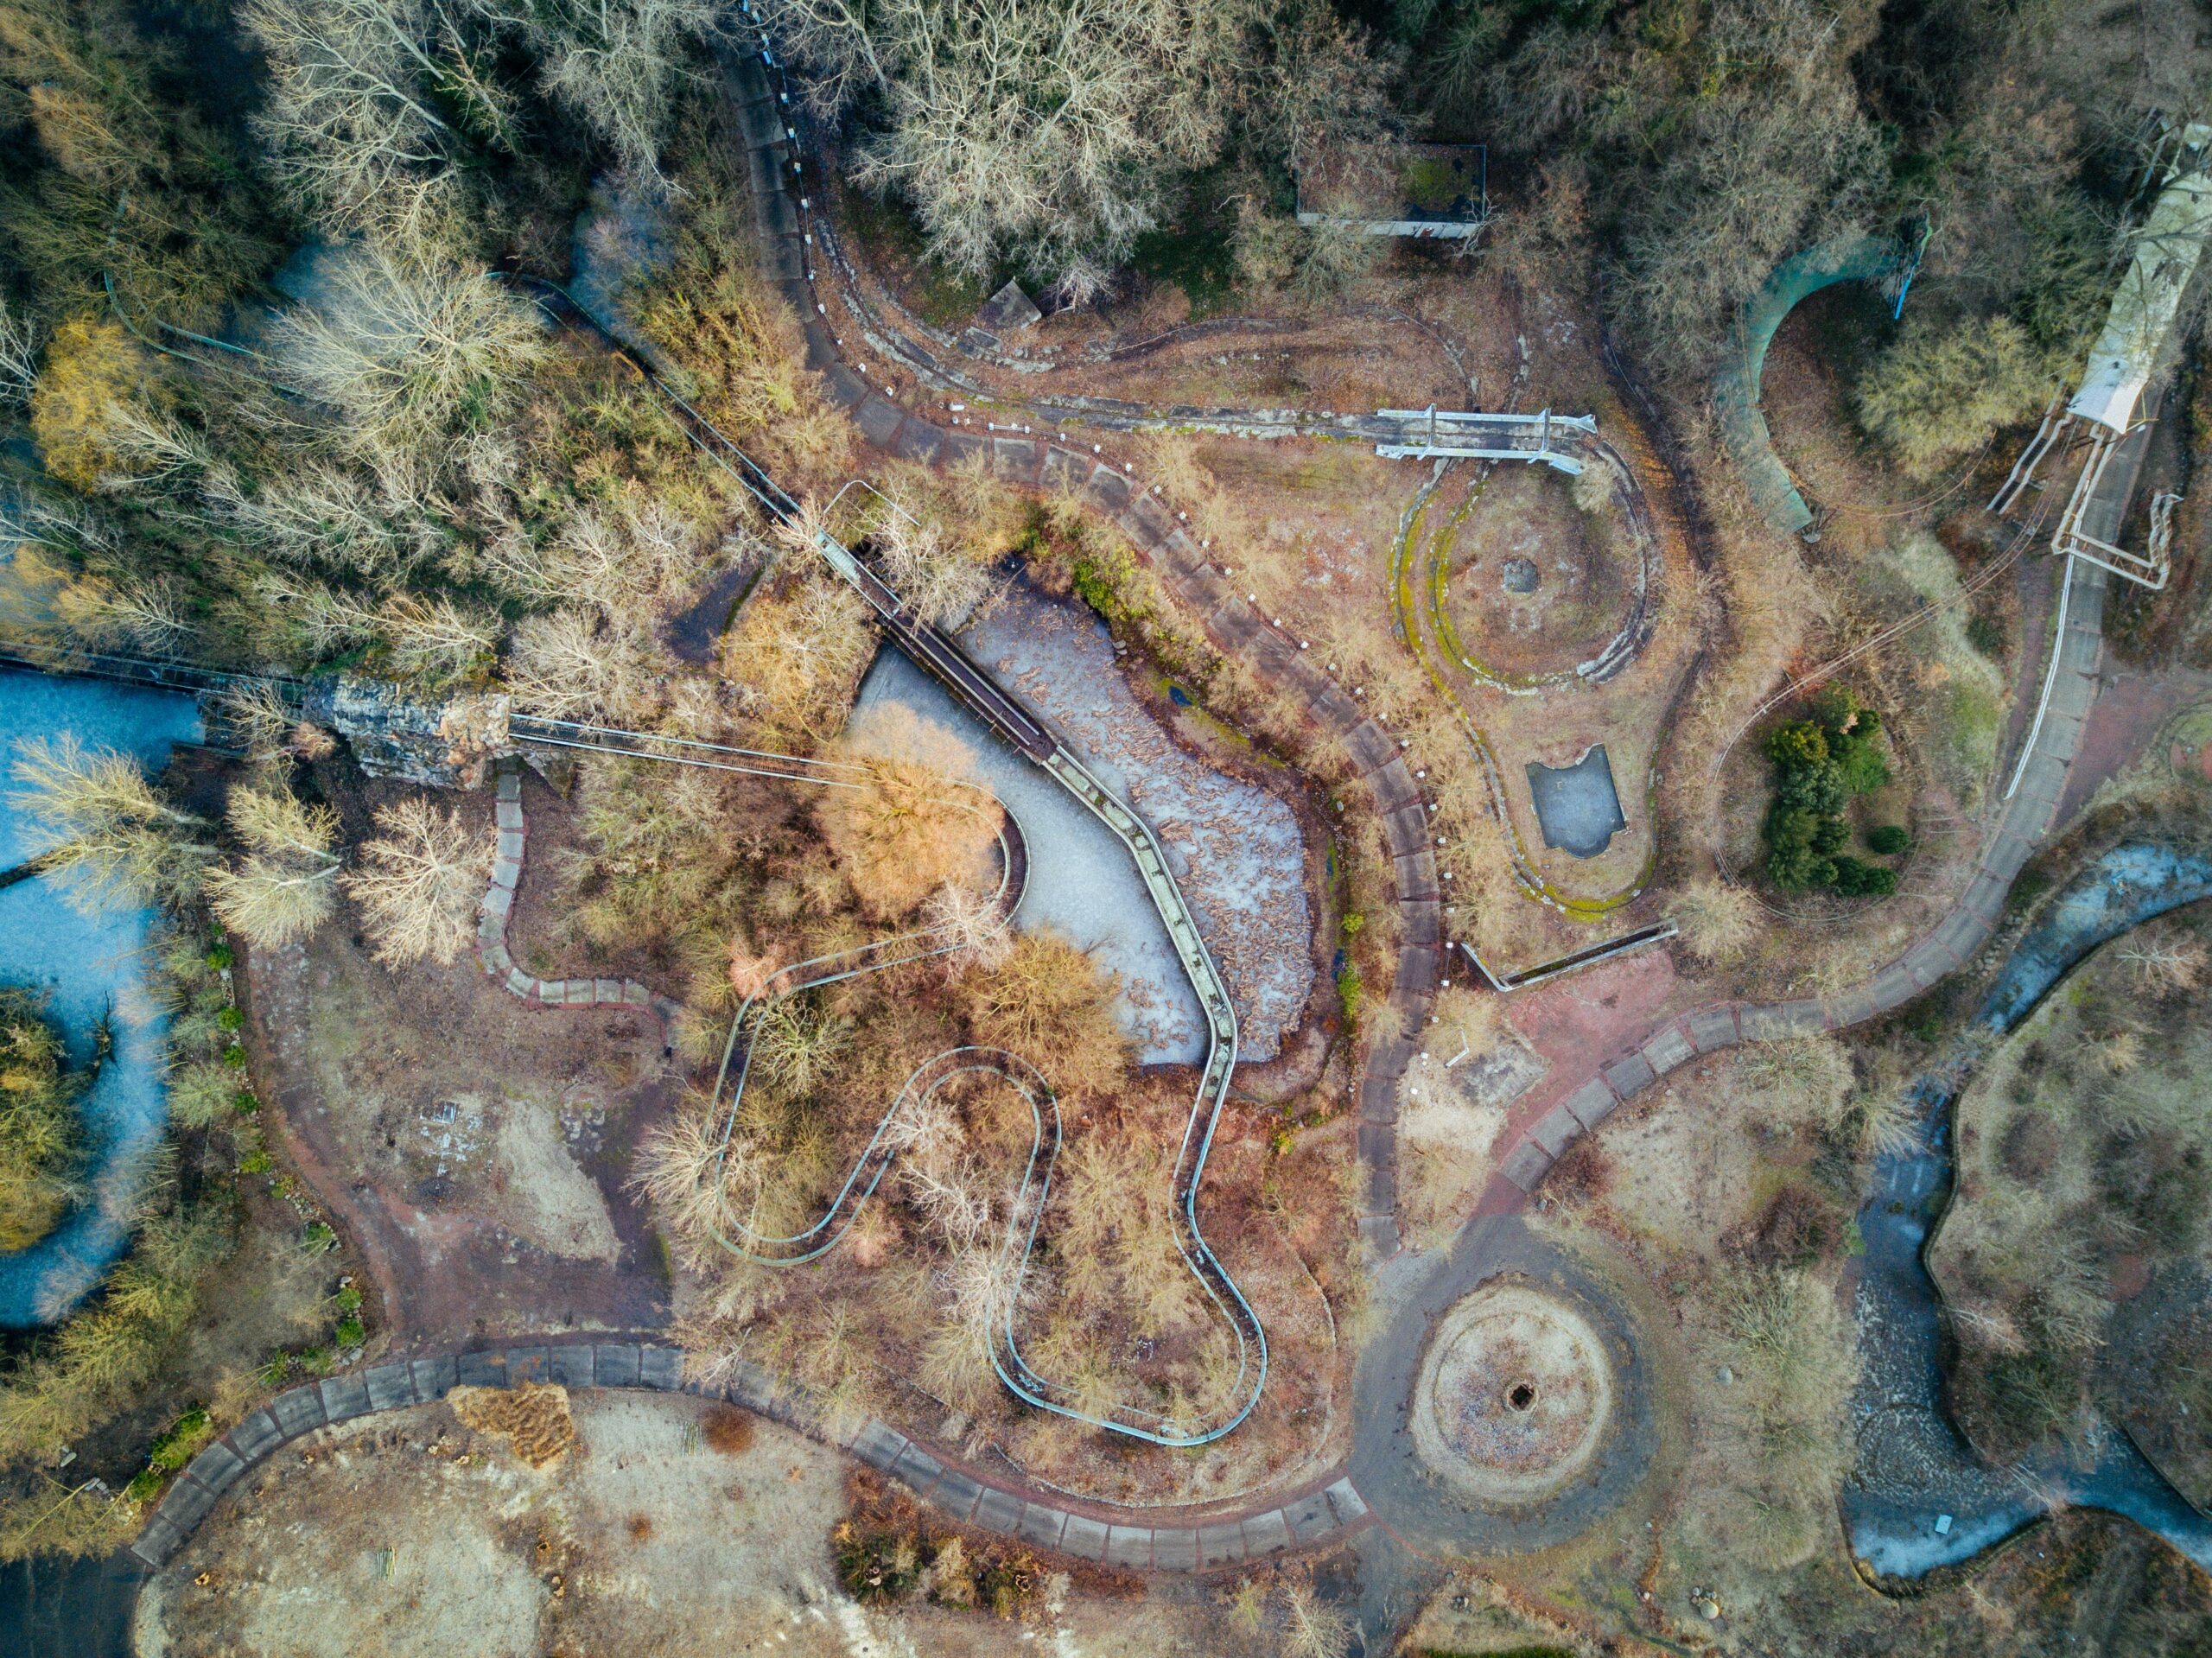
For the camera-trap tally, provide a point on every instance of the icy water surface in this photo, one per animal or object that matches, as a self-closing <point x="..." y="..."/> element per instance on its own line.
<point x="1082" y="883"/>
<point x="89" y="969"/>
<point x="1235" y="848"/>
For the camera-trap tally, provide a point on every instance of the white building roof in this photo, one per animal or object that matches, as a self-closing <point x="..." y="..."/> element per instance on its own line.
<point x="2167" y="249"/>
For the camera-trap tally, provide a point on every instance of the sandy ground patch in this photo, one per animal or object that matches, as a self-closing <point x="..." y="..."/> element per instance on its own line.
<point x="550" y="1200"/>
<point x="406" y="1536"/>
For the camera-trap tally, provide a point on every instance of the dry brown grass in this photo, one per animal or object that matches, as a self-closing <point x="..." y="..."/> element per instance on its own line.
<point x="533" y="1418"/>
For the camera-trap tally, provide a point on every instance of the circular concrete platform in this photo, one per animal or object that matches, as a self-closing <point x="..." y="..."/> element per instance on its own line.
<point x="1514" y="1397"/>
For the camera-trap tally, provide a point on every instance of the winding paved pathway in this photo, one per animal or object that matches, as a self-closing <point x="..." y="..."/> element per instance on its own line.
<point x="1317" y="1514"/>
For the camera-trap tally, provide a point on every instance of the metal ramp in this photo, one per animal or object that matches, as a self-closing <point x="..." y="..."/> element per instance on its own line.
<point x="1431" y="432"/>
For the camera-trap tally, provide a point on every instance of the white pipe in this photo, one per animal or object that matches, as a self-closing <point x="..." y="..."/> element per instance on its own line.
<point x="2050" y="679"/>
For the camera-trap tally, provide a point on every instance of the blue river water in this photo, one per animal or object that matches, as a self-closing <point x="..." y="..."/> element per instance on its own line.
<point x="1919" y="1498"/>
<point x="88" y="967"/>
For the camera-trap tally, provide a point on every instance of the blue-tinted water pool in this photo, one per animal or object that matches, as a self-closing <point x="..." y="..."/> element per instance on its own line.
<point x="88" y="969"/>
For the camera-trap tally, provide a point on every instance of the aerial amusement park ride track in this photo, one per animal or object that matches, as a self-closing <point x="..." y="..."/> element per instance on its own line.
<point x="932" y="650"/>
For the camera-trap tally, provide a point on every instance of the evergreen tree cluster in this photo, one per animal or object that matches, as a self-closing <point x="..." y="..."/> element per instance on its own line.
<point x="1819" y="764"/>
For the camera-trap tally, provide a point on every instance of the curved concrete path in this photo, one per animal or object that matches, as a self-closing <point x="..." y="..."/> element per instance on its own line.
<point x="1578" y="1104"/>
<point x="785" y="220"/>
<point x="497" y="910"/>
<point x="1576" y="1099"/>
<point x="1323" y="1512"/>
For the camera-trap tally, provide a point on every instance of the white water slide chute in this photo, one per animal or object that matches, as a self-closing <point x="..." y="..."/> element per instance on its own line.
<point x="2103" y="418"/>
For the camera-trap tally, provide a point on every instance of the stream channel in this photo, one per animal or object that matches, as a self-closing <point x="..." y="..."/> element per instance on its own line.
<point x="89" y="970"/>
<point x="1919" y="1498"/>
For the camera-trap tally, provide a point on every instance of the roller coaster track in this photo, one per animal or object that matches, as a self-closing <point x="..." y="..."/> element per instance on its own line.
<point x="937" y="654"/>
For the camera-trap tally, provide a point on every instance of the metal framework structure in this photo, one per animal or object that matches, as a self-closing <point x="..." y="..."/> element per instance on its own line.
<point x="1484" y="435"/>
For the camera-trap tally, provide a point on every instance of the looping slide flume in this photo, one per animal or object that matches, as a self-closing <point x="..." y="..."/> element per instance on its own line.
<point x="1885" y="259"/>
<point x="934" y="652"/>
<point x="909" y="1104"/>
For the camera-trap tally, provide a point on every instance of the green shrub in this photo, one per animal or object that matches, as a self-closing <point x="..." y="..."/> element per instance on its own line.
<point x="1888" y="839"/>
<point x="234" y="1057"/>
<point x="875" y="1567"/>
<point x="231" y="1020"/>
<point x="350" y="1332"/>
<point x="1351" y="993"/>
<point x="181" y="1442"/>
<point x="1818" y="765"/>
<point x="1854" y="879"/>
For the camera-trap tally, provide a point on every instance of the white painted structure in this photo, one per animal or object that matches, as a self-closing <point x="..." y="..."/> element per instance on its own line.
<point x="2167" y="249"/>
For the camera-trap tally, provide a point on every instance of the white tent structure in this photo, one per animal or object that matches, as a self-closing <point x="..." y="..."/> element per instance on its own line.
<point x="2168" y="249"/>
<point x="2144" y="306"/>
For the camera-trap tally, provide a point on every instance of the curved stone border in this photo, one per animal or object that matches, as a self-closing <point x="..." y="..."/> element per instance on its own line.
<point x="1736" y="388"/>
<point x="1323" y="1514"/>
<point x="499" y="908"/>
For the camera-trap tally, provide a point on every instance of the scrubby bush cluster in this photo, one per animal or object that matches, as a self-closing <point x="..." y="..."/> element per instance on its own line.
<point x="2086" y="1154"/>
<point x="41" y="1136"/>
<point x="1820" y="765"/>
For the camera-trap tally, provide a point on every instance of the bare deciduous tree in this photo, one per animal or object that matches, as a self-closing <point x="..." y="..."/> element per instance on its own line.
<point x="401" y="341"/>
<point x="372" y="103"/>
<point x="436" y="640"/>
<point x="286" y="884"/>
<point x="972" y="927"/>
<point x="571" y="662"/>
<point x="19" y="348"/>
<point x="616" y="62"/>
<point x="419" y="883"/>
<point x="1717" y="920"/>
<point x="796" y="651"/>
<point x="1046" y="131"/>
<point x="911" y="826"/>
<point x="95" y="821"/>
<point x="943" y="581"/>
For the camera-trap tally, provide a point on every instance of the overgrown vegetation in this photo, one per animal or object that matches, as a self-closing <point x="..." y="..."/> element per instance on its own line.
<point x="2085" y="1173"/>
<point x="41" y="1139"/>
<point x="1056" y="139"/>
<point x="1821" y="765"/>
<point x="1686" y="149"/>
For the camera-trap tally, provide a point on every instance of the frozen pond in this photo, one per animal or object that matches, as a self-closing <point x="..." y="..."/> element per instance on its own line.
<point x="1081" y="881"/>
<point x="1576" y="805"/>
<point x="1235" y="848"/>
<point x="88" y="969"/>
